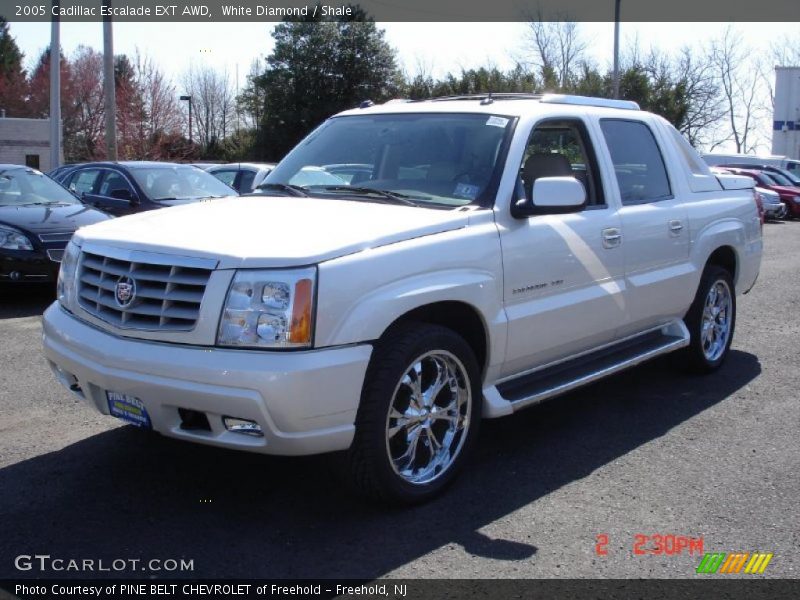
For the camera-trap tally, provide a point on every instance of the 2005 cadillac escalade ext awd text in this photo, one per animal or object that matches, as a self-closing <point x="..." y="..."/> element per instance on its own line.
<point x="473" y="256"/>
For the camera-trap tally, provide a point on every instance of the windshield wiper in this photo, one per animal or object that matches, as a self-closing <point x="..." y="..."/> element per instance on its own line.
<point x="291" y="190"/>
<point x="395" y="197"/>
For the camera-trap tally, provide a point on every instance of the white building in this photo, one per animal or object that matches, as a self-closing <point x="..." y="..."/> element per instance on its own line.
<point x="26" y="142"/>
<point x="786" y="114"/>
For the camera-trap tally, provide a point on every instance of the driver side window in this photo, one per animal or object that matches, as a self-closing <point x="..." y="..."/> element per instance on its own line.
<point x="560" y="148"/>
<point x="114" y="182"/>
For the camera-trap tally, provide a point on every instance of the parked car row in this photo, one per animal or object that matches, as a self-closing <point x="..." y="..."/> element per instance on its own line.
<point x="37" y="217"/>
<point x="778" y="189"/>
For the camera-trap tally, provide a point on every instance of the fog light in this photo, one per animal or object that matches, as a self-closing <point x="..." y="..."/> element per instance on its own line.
<point x="245" y="426"/>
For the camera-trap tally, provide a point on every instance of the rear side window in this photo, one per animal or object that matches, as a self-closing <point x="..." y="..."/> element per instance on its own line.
<point x="689" y="154"/>
<point x="638" y="163"/>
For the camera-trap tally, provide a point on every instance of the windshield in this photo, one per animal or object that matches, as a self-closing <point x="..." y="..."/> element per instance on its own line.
<point x="179" y="183"/>
<point x="780" y="179"/>
<point x="795" y="181"/>
<point x="768" y="178"/>
<point x="432" y="159"/>
<point x="28" y="186"/>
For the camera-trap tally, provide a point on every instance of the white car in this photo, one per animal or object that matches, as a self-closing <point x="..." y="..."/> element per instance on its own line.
<point x="503" y="250"/>
<point x="771" y="203"/>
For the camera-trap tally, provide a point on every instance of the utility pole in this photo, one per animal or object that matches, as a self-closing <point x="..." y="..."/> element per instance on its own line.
<point x="616" y="48"/>
<point x="108" y="87"/>
<point x="189" y="98"/>
<point x="55" y="89"/>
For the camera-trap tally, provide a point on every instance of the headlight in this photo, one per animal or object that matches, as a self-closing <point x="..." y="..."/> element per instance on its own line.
<point x="12" y="239"/>
<point x="66" y="285"/>
<point x="269" y="309"/>
<point x="796" y="199"/>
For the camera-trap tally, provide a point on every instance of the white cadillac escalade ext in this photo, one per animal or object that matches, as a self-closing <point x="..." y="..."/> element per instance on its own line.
<point x="407" y="270"/>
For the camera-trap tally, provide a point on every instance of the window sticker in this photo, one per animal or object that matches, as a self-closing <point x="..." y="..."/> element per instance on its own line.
<point x="465" y="190"/>
<point x="497" y="121"/>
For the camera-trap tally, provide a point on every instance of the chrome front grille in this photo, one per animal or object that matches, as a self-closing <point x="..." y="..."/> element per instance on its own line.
<point x="159" y="297"/>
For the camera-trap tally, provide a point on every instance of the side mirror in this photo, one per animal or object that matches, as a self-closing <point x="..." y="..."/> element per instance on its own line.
<point x="551" y="195"/>
<point x="122" y="194"/>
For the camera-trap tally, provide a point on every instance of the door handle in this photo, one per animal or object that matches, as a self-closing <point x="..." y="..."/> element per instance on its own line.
<point x="611" y="237"/>
<point x="675" y="226"/>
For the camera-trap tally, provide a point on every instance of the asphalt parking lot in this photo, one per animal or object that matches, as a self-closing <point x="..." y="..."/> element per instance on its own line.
<point x="651" y="451"/>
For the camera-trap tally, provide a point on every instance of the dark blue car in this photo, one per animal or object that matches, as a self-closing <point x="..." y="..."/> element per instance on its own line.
<point x="122" y="188"/>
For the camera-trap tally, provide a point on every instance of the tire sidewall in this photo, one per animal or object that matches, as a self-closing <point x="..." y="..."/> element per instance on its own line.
<point x="383" y="377"/>
<point x="694" y="320"/>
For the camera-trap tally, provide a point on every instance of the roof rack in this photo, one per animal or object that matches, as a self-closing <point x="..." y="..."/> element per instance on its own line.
<point x="544" y="98"/>
<point x="490" y="95"/>
<point x="589" y="101"/>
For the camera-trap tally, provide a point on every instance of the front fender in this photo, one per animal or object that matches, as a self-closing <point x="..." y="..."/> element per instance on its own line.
<point x="361" y="295"/>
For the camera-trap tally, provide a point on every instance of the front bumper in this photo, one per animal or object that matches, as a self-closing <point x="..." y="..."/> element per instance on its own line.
<point x="305" y="402"/>
<point x="28" y="266"/>
<point x="775" y="211"/>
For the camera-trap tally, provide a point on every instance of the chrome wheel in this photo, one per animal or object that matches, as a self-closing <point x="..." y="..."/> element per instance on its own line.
<point x="716" y="321"/>
<point x="428" y="417"/>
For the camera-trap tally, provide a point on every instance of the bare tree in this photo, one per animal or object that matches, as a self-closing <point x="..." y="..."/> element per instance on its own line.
<point x="85" y="139"/>
<point x="161" y="110"/>
<point x="705" y="106"/>
<point x="558" y="50"/>
<point x="738" y="76"/>
<point x="214" y="103"/>
<point x="785" y="51"/>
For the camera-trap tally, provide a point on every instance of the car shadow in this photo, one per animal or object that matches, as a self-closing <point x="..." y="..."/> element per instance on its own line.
<point x="128" y="493"/>
<point x="25" y="299"/>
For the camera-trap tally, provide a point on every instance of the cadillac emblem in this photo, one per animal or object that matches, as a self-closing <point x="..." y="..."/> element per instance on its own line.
<point x="125" y="291"/>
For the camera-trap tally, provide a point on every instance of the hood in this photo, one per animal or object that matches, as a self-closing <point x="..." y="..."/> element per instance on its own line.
<point x="265" y="231"/>
<point x="44" y="219"/>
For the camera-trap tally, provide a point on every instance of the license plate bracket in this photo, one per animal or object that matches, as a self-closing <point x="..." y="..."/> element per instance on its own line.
<point x="128" y="408"/>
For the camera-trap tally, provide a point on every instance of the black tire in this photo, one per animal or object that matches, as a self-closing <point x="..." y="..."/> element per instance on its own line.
<point x="369" y="458"/>
<point x="695" y="358"/>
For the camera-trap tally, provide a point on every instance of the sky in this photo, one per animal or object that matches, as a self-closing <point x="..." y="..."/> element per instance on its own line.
<point x="438" y="47"/>
<point x="432" y="48"/>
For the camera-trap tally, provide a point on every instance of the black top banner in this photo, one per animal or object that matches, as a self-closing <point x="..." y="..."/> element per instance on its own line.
<point x="198" y="11"/>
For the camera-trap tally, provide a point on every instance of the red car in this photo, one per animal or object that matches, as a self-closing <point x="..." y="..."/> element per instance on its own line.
<point x="790" y="194"/>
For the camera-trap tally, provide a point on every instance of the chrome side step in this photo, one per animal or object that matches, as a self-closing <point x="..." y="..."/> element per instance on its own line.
<point x="564" y="377"/>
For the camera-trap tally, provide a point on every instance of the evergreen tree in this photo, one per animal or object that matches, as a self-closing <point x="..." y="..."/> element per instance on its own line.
<point x="319" y="67"/>
<point x="13" y="85"/>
